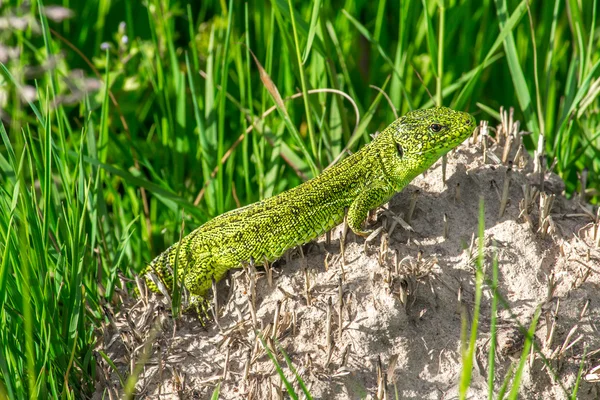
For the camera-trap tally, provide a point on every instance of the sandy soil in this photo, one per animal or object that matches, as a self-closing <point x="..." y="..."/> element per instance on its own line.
<point x="388" y="316"/>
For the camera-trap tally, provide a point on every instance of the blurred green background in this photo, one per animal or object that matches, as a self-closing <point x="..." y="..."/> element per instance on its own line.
<point x="123" y="119"/>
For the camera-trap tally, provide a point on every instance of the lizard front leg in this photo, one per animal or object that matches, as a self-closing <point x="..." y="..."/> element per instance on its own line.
<point x="372" y="197"/>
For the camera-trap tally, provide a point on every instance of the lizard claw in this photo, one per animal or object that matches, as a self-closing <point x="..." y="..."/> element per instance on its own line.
<point x="363" y="233"/>
<point x="200" y="306"/>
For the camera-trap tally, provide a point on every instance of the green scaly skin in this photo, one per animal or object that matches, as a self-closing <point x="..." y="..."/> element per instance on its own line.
<point x="361" y="182"/>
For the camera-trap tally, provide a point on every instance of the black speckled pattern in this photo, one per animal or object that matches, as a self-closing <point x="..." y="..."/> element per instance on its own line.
<point x="359" y="183"/>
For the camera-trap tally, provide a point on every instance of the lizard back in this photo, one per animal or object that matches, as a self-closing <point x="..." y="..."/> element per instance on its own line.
<point x="359" y="183"/>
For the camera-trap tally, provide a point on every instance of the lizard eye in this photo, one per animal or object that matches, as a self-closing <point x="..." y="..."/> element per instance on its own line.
<point x="400" y="150"/>
<point x="436" y="127"/>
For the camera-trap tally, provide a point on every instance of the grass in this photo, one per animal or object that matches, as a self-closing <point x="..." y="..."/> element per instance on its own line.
<point x="98" y="167"/>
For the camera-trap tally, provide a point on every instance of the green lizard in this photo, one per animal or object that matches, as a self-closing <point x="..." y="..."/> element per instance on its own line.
<point x="357" y="184"/>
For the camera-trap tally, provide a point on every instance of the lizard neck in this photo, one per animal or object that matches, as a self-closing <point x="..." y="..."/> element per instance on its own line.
<point x="360" y="170"/>
<point x="398" y="168"/>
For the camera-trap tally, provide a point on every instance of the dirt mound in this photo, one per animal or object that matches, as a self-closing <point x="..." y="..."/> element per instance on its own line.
<point x="387" y="316"/>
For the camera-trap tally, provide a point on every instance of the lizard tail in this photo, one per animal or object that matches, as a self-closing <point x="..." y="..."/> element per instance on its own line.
<point x="195" y="270"/>
<point x="159" y="274"/>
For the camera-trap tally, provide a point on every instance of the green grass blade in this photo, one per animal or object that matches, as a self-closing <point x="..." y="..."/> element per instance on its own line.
<point x="303" y="27"/>
<point x="453" y="87"/>
<point x="225" y="61"/>
<point x="493" y="327"/>
<point x="440" y="56"/>
<point x="203" y="146"/>
<point x="584" y="91"/>
<point x="305" y="390"/>
<point x="312" y="30"/>
<point x="341" y="59"/>
<point x="516" y="384"/>
<point x="210" y="134"/>
<point x="288" y="385"/>
<point x="361" y="130"/>
<point x="490" y="111"/>
<point x="367" y="35"/>
<point x="305" y="98"/>
<point x="505" y="31"/>
<point x="507" y="378"/>
<point x="591" y="40"/>
<point x="216" y="392"/>
<point x="379" y="20"/>
<point x="167" y="197"/>
<point x="579" y="375"/>
<point x="431" y="43"/>
<point x="274" y="93"/>
<point x="469" y="352"/>
<point x="516" y="71"/>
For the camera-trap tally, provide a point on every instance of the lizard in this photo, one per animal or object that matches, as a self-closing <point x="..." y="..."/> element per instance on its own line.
<point x="351" y="188"/>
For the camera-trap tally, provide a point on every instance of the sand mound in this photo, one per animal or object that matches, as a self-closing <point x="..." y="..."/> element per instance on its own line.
<point x="387" y="315"/>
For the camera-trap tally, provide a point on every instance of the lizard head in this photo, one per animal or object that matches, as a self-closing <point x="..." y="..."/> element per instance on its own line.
<point x="421" y="137"/>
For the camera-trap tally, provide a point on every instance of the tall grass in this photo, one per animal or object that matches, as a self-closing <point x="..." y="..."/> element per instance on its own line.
<point x="98" y="168"/>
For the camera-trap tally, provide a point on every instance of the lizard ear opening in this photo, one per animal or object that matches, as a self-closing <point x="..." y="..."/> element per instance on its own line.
<point x="400" y="150"/>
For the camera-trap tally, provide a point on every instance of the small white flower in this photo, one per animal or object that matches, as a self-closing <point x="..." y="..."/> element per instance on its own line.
<point x="28" y="94"/>
<point x="91" y="84"/>
<point x="8" y="53"/>
<point x="58" y="13"/>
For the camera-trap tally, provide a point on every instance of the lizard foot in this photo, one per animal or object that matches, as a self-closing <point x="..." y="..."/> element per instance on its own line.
<point x="363" y="233"/>
<point x="200" y="306"/>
